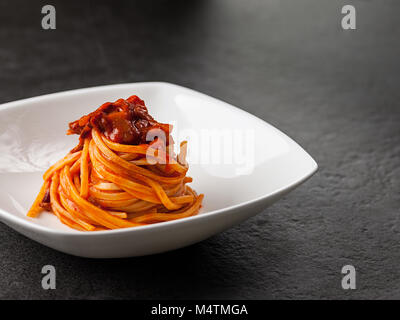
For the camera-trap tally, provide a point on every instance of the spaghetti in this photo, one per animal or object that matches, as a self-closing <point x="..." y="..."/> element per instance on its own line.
<point x="123" y="173"/>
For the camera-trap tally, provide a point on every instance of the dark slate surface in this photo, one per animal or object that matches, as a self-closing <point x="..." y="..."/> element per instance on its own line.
<point x="336" y="92"/>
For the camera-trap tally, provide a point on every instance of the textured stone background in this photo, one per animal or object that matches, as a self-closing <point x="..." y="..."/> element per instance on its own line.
<point x="336" y="92"/>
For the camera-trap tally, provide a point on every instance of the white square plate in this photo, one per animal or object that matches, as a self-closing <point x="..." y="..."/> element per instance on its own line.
<point x="267" y="165"/>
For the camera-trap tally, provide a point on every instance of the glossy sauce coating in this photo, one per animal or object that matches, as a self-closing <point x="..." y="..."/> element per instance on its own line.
<point x="123" y="121"/>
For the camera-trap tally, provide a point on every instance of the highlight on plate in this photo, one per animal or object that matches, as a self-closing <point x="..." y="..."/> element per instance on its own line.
<point x="123" y="172"/>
